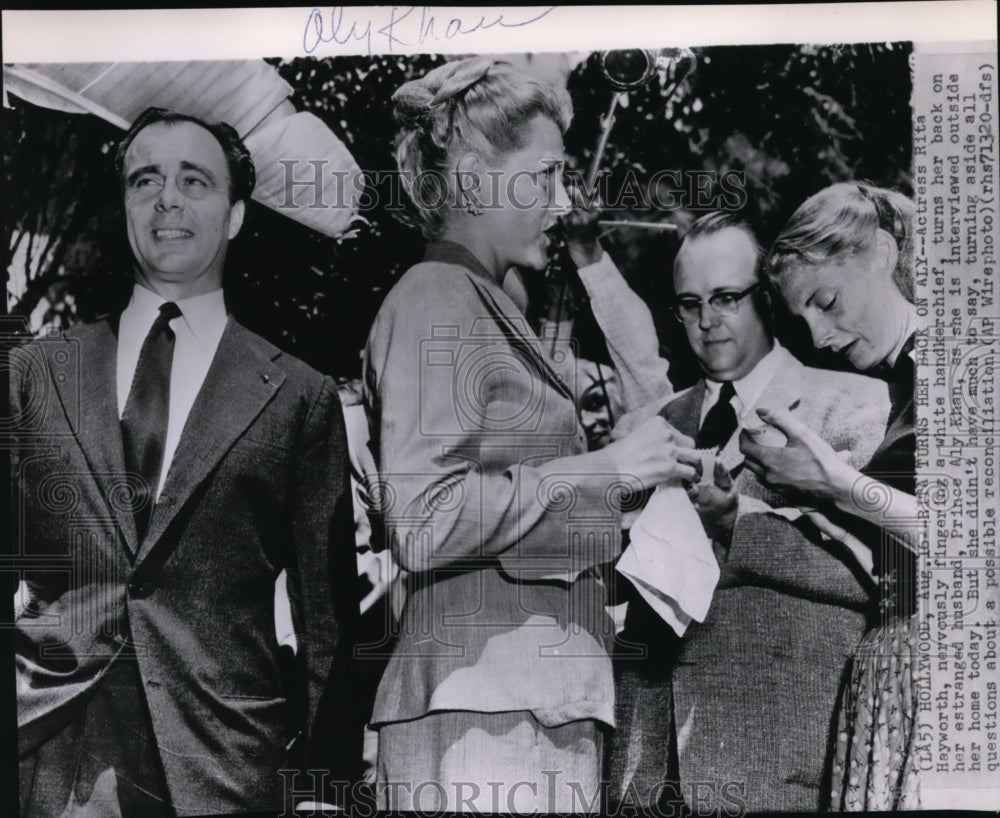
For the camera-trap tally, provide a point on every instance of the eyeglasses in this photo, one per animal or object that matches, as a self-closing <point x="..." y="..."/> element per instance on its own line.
<point x="688" y="310"/>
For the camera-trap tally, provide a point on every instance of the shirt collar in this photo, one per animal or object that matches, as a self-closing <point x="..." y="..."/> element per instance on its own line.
<point x="905" y="345"/>
<point x="751" y="386"/>
<point x="145" y="303"/>
<point x="204" y="315"/>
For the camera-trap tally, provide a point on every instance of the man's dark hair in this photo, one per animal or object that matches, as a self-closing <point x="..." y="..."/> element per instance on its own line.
<point x="720" y="220"/>
<point x="242" y="176"/>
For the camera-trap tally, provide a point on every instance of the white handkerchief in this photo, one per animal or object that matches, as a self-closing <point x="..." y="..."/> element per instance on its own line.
<point x="670" y="559"/>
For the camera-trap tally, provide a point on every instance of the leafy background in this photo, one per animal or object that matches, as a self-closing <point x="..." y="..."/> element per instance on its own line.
<point x="792" y="118"/>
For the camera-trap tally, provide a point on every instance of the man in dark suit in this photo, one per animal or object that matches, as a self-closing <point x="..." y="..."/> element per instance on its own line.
<point x="168" y="465"/>
<point x="740" y="710"/>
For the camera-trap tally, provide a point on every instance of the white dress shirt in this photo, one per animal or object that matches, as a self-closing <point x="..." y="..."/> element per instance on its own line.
<point x="197" y="331"/>
<point x="748" y="389"/>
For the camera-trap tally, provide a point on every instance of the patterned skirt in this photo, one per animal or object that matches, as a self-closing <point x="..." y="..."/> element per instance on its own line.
<point x="874" y="768"/>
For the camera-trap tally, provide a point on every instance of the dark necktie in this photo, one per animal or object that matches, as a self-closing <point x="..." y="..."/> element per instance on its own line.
<point x="144" y="421"/>
<point x="720" y="422"/>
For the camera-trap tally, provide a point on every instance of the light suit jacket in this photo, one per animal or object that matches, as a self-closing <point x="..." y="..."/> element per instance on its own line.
<point x="755" y="686"/>
<point x="259" y="482"/>
<point x="474" y="434"/>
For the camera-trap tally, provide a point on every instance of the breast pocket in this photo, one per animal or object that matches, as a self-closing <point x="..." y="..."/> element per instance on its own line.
<point x="259" y="459"/>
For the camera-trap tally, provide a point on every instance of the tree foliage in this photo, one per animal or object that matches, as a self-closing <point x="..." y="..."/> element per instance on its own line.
<point x="791" y="119"/>
<point x="54" y="222"/>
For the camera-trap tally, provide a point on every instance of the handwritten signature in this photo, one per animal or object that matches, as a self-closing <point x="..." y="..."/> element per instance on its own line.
<point x="417" y="24"/>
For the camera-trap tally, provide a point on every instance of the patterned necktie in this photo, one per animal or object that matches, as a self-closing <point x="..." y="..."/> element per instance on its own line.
<point x="720" y="422"/>
<point x="144" y="421"/>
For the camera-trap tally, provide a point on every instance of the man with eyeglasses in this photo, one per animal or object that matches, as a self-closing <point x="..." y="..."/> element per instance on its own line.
<point x="739" y="712"/>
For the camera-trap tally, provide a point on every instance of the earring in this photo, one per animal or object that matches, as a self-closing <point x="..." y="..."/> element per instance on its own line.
<point x="471" y="205"/>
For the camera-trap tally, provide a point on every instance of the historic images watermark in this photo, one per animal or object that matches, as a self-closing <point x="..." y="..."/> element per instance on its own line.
<point x="664" y="190"/>
<point x="304" y="794"/>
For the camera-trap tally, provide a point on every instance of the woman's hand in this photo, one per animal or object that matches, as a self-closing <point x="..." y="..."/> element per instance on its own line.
<point x="655" y="452"/>
<point x="581" y="230"/>
<point x="862" y="553"/>
<point x="806" y="464"/>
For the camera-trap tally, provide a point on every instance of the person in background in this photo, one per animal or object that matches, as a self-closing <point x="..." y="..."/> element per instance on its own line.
<point x="383" y="584"/>
<point x="844" y="263"/>
<point x="599" y="403"/>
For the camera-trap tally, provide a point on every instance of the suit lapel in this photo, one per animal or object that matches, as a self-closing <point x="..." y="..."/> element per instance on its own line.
<point x="91" y="406"/>
<point x="241" y="381"/>
<point x="684" y="411"/>
<point x="520" y="340"/>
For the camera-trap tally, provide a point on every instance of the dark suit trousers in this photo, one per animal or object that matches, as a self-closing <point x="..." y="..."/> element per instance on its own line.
<point x="104" y="763"/>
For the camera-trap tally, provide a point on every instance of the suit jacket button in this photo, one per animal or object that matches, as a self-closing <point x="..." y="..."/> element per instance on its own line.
<point x="140" y="589"/>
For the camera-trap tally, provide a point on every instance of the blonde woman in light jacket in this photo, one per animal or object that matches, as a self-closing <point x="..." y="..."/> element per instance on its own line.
<point x="500" y="689"/>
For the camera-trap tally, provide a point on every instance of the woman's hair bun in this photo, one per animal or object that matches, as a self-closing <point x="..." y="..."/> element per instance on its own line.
<point x="415" y="101"/>
<point x="462" y="76"/>
<point x="412" y="104"/>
